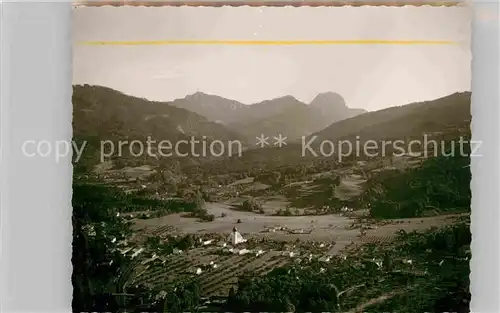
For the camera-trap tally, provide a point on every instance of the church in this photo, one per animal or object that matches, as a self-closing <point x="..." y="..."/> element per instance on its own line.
<point x="235" y="237"/>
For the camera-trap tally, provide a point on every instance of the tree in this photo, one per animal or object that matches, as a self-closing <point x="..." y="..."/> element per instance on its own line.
<point x="231" y="298"/>
<point x="182" y="297"/>
<point x="199" y="203"/>
<point x="173" y="188"/>
<point x="271" y="178"/>
<point x="251" y="205"/>
<point x="207" y="217"/>
<point x="96" y="259"/>
<point x="289" y="307"/>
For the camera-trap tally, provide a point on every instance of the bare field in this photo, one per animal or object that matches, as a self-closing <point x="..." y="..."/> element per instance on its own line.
<point x="333" y="227"/>
<point x="252" y="224"/>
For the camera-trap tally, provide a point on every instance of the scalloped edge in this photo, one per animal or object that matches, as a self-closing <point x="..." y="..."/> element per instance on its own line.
<point x="152" y="3"/>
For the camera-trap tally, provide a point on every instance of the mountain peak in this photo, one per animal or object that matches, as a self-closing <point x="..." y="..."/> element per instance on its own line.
<point x="328" y="99"/>
<point x="288" y="97"/>
<point x="213" y="107"/>
<point x="197" y="94"/>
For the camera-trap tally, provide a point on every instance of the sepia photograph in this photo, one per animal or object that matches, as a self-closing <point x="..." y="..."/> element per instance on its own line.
<point x="271" y="159"/>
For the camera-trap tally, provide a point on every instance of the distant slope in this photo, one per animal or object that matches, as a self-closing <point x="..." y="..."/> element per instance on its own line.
<point x="403" y="121"/>
<point x="292" y="118"/>
<point x="101" y="113"/>
<point x="440" y="185"/>
<point x="104" y="111"/>
<point x="332" y="108"/>
<point x="286" y="116"/>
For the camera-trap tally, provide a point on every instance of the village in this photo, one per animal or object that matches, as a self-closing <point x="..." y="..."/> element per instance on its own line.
<point x="219" y="252"/>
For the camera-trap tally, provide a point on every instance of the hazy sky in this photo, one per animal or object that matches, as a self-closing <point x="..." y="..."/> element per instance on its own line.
<point x="367" y="76"/>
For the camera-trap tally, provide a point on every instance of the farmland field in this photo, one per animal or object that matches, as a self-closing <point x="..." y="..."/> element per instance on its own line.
<point x="334" y="232"/>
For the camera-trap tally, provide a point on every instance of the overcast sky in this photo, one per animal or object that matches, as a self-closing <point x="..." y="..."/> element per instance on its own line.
<point x="367" y="76"/>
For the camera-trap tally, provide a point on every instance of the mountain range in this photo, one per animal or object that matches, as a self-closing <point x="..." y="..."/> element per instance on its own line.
<point x="444" y="118"/>
<point x="101" y="110"/>
<point x="101" y="113"/>
<point x="105" y="112"/>
<point x="284" y="115"/>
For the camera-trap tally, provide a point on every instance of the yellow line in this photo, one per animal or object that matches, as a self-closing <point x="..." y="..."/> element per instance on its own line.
<point x="270" y="42"/>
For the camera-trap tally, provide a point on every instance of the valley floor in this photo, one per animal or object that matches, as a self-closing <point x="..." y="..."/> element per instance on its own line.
<point x="330" y="235"/>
